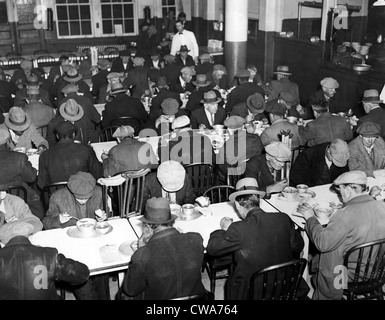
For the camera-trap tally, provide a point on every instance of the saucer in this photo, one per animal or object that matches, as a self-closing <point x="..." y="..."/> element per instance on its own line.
<point x="281" y="197"/>
<point x="306" y="194"/>
<point x="125" y="248"/>
<point x="74" y="232"/>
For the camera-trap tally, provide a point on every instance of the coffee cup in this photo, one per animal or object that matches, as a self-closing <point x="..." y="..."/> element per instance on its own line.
<point x="302" y="188"/>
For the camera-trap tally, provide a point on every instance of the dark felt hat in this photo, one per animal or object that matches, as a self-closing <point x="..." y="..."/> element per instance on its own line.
<point x="158" y="211"/>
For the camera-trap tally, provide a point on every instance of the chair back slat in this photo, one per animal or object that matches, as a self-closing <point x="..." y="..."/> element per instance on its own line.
<point x="201" y="177"/>
<point x="18" y="191"/>
<point x="218" y="194"/>
<point x="48" y="190"/>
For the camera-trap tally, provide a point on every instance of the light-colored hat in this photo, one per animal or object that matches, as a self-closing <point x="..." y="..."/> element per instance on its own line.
<point x="256" y="103"/>
<point x="210" y="97"/>
<point x="219" y="67"/>
<point x="180" y="122"/>
<point x="70" y="88"/>
<point x="246" y="186"/>
<point x="26" y="64"/>
<point x="4" y="136"/>
<point x="171" y="175"/>
<point x="158" y="212"/>
<point x="279" y="150"/>
<point x="283" y="70"/>
<point x="188" y="70"/>
<point x="72" y="75"/>
<point x="339" y="150"/>
<point x="138" y="61"/>
<point x="234" y="122"/>
<point x="204" y="56"/>
<point x="82" y="185"/>
<point x="17" y="119"/>
<point x="169" y="58"/>
<point x="201" y="81"/>
<point x="170" y="106"/>
<point x="124" y="131"/>
<point x="371" y="96"/>
<point x="356" y="177"/>
<point x="114" y="75"/>
<point x="369" y="129"/>
<point x="71" y="110"/>
<point x="330" y="83"/>
<point x="117" y="88"/>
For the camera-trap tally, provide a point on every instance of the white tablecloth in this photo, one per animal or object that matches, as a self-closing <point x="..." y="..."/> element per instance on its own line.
<point x="34" y="159"/>
<point x="101" y="147"/>
<point x="100" y="254"/>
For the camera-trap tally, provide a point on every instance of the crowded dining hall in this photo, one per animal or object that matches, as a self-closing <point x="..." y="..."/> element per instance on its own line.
<point x="192" y="150"/>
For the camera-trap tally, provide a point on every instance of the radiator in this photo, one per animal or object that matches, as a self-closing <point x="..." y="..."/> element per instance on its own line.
<point x="120" y="47"/>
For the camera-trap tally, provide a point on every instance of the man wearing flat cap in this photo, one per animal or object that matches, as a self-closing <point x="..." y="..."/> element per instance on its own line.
<point x="117" y="107"/>
<point x="360" y="220"/>
<point x="20" y="76"/>
<point x="67" y="158"/>
<point x="170" y="182"/>
<point x="166" y="264"/>
<point x="184" y="82"/>
<point x="99" y="79"/>
<point x="329" y="95"/>
<point x="277" y="154"/>
<point x="320" y="164"/>
<point x="367" y="151"/>
<point x="243" y="90"/>
<point x="374" y="113"/>
<point x="21" y="95"/>
<point x="280" y="125"/>
<point x="137" y="78"/>
<point x="210" y="114"/>
<point x="218" y="77"/>
<point x="129" y="155"/>
<point x="325" y="127"/>
<point x="268" y="239"/>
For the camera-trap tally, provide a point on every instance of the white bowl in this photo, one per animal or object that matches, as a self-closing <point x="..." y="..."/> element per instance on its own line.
<point x="292" y="119"/>
<point x="323" y="211"/>
<point x="102" y="227"/>
<point x="86" y="225"/>
<point x="290" y="193"/>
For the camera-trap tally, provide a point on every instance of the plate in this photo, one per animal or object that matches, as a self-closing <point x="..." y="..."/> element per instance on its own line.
<point x="74" y="232"/>
<point x="309" y="193"/>
<point x="125" y="248"/>
<point x="281" y="197"/>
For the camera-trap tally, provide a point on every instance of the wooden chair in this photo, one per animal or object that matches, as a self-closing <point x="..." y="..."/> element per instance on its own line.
<point x="369" y="275"/>
<point x="211" y="264"/>
<point x="105" y="134"/>
<point x="48" y="190"/>
<point x="40" y="52"/>
<point x="277" y="282"/>
<point x="135" y="123"/>
<point x="15" y="61"/>
<point x="126" y="194"/>
<point x="201" y="177"/>
<point x="235" y="173"/>
<point x="19" y="191"/>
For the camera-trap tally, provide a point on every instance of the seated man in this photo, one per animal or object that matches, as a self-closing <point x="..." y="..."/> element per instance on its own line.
<point x="277" y="155"/>
<point x="16" y="170"/>
<point x="23" y="132"/>
<point x="183" y="59"/>
<point x="205" y="65"/>
<point x="362" y="219"/>
<point x="99" y="80"/>
<point x="137" y="78"/>
<point x="32" y="83"/>
<point x="20" y="260"/>
<point x="183" y="83"/>
<point x="67" y="158"/>
<point x="167" y="264"/>
<point x="129" y="155"/>
<point x="218" y="78"/>
<point x="367" y="151"/>
<point x="170" y="182"/>
<point x="15" y="217"/>
<point x="283" y="82"/>
<point x="279" y="125"/>
<point x="210" y="114"/>
<point x="252" y="109"/>
<point x="186" y="146"/>
<point x="267" y="238"/>
<point x="329" y="96"/>
<point x="325" y="127"/>
<point x="321" y="164"/>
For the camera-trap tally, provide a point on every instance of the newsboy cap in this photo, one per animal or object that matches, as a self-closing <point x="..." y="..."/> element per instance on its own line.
<point x="339" y="151"/>
<point x="180" y="122"/>
<point x="170" y="106"/>
<point x="234" y="122"/>
<point x="369" y="129"/>
<point x="356" y="177"/>
<point x="124" y="131"/>
<point x="171" y="175"/>
<point x="330" y="83"/>
<point x="279" y="150"/>
<point x="82" y="185"/>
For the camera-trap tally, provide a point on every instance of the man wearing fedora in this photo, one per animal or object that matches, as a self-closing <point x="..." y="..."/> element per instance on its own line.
<point x="243" y="90"/>
<point x="283" y="82"/>
<point x="328" y="94"/>
<point x="210" y="114"/>
<point x="17" y="170"/>
<point x="137" y="78"/>
<point x="170" y="181"/>
<point x="20" y="76"/>
<point x="124" y="63"/>
<point x="100" y="79"/>
<point x="361" y="219"/>
<point x="184" y="38"/>
<point x="58" y="70"/>
<point x="268" y="239"/>
<point x="7" y="89"/>
<point x="112" y="77"/>
<point x="117" y="107"/>
<point x="251" y="110"/>
<point x="183" y="59"/>
<point x="202" y="85"/>
<point x="374" y="113"/>
<point x="167" y="264"/>
<point x="126" y="156"/>
<point x="184" y="82"/>
<point x="367" y="151"/>
<point x="66" y="158"/>
<point x="32" y="83"/>
<point x="155" y="60"/>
